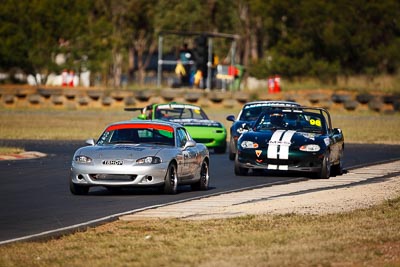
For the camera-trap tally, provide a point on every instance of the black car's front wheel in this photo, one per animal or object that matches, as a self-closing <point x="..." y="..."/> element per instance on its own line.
<point x="232" y="153"/>
<point x="240" y="170"/>
<point x="338" y="168"/>
<point x="325" y="172"/>
<point x="171" y="180"/>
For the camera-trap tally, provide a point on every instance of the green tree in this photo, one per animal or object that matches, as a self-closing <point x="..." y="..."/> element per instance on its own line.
<point x="288" y="37"/>
<point x="14" y="35"/>
<point x="325" y="38"/>
<point x="141" y="37"/>
<point x="32" y="31"/>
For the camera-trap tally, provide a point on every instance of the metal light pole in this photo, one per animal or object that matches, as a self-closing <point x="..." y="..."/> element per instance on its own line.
<point x="160" y="62"/>
<point x="209" y="63"/>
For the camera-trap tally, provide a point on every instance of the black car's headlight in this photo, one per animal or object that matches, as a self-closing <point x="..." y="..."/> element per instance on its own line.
<point x="310" y="148"/>
<point x="149" y="160"/>
<point x="249" y="144"/>
<point x="83" y="159"/>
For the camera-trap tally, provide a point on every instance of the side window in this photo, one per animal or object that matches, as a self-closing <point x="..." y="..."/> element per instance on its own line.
<point x="181" y="137"/>
<point x="149" y="113"/>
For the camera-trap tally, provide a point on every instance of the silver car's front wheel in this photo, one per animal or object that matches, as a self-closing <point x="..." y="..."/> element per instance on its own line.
<point x="78" y="189"/>
<point x="171" y="180"/>
<point x="204" y="181"/>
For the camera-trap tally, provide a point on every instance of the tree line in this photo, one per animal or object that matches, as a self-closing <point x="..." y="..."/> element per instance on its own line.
<point x="292" y="38"/>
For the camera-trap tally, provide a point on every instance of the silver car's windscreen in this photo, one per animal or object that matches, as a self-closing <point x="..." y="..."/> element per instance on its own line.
<point x="137" y="134"/>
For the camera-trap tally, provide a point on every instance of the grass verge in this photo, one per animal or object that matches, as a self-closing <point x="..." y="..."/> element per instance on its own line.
<point x="368" y="237"/>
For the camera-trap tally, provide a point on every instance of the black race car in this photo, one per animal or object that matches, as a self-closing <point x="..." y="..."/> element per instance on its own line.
<point x="247" y="116"/>
<point x="291" y="139"/>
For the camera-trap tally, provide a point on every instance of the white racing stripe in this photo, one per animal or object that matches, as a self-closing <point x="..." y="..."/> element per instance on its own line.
<point x="272" y="167"/>
<point x="283" y="167"/>
<point x="273" y="144"/>
<point x="279" y="148"/>
<point x="284" y="145"/>
<point x="278" y="167"/>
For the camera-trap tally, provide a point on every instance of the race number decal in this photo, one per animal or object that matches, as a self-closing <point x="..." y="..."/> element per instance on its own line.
<point x="315" y="122"/>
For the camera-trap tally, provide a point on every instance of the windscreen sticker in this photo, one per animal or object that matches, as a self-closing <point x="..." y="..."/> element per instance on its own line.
<point x="196" y="122"/>
<point x="269" y="104"/>
<point x="132" y="147"/>
<point x="140" y="126"/>
<point x="169" y="106"/>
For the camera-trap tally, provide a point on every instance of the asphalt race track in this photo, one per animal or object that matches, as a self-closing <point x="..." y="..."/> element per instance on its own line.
<point x="35" y="197"/>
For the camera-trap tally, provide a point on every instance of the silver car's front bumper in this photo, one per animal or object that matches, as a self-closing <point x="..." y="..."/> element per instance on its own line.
<point x="123" y="175"/>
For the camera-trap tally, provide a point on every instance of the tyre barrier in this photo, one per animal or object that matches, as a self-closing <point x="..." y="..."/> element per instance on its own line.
<point x="340" y="98"/>
<point x="376" y="105"/>
<point x="350" y="105"/>
<point x="76" y="98"/>
<point x="316" y="98"/>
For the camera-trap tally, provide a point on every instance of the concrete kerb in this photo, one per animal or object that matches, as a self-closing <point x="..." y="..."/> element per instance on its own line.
<point x="259" y="200"/>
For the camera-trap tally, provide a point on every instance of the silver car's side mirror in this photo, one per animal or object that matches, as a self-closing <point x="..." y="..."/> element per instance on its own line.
<point x="90" y="142"/>
<point x="189" y="143"/>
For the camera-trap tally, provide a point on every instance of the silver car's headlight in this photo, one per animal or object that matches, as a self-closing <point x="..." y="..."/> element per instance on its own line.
<point x="310" y="148"/>
<point x="83" y="159"/>
<point x="149" y="160"/>
<point x="249" y="144"/>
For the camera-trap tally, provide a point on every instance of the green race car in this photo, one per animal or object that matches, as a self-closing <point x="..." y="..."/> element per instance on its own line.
<point x="193" y="118"/>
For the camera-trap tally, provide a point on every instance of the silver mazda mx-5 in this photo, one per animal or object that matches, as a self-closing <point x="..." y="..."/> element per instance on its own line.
<point x="141" y="153"/>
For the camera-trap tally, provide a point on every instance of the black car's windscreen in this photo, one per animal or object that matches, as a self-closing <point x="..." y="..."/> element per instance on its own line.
<point x="251" y="113"/>
<point x="292" y="120"/>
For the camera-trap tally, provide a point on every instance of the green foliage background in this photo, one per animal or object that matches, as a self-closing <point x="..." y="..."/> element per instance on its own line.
<point x="316" y="38"/>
